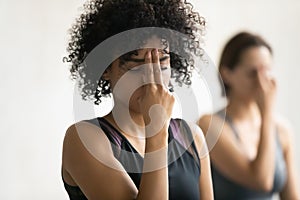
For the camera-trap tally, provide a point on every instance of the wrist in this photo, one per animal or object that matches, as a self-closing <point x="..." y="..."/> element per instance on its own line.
<point x="266" y="113"/>
<point x="157" y="142"/>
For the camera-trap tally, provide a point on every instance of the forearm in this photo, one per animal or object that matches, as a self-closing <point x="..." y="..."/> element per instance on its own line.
<point x="290" y="193"/>
<point x="264" y="165"/>
<point x="206" y="188"/>
<point x="154" y="181"/>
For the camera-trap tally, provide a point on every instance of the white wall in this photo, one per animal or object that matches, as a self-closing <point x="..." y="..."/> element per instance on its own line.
<point x="36" y="94"/>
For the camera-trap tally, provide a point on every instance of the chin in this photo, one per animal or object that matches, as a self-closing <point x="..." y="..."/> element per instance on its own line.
<point x="134" y="111"/>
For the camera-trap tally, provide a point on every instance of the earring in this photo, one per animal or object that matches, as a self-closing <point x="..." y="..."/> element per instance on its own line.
<point x="171" y="87"/>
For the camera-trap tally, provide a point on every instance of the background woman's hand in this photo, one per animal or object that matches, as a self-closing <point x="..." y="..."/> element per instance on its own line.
<point x="266" y="91"/>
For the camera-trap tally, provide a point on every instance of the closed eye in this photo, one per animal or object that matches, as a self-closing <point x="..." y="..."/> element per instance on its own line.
<point x="136" y="69"/>
<point x="138" y="60"/>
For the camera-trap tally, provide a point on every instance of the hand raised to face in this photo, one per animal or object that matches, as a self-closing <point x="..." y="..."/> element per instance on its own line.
<point x="266" y="89"/>
<point x="157" y="102"/>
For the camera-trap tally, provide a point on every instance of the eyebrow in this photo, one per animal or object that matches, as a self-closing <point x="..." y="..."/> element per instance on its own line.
<point x="143" y="60"/>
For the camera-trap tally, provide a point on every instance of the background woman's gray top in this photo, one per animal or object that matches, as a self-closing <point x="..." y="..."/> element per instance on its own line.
<point x="228" y="189"/>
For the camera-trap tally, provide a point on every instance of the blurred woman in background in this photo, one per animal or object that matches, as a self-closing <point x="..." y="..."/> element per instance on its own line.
<point x="253" y="157"/>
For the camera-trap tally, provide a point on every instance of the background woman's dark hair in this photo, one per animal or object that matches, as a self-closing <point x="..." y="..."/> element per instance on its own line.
<point x="235" y="47"/>
<point x="105" y="18"/>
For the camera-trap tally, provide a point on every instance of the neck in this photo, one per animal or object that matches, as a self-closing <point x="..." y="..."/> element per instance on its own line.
<point x="128" y="122"/>
<point x="242" y="109"/>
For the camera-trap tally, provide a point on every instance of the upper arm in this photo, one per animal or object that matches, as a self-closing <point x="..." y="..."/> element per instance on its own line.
<point x="88" y="158"/>
<point x="286" y="137"/>
<point x="205" y="181"/>
<point x="226" y="154"/>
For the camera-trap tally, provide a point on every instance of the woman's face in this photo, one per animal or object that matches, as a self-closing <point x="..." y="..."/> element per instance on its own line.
<point x="243" y="79"/>
<point x="126" y="79"/>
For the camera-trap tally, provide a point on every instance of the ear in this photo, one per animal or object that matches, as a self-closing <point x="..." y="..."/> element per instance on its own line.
<point x="225" y="74"/>
<point x="106" y="74"/>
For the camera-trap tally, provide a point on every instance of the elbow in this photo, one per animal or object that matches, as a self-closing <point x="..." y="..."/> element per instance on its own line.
<point x="265" y="184"/>
<point x="262" y="180"/>
<point x="266" y="187"/>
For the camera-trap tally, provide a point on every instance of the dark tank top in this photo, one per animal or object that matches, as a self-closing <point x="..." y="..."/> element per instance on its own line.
<point x="184" y="165"/>
<point x="227" y="189"/>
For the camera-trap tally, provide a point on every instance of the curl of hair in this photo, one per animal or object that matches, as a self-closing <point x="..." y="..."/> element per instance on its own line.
<point x="102" y="19"/>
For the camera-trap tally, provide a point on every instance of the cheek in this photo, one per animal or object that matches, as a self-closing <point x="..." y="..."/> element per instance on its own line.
<point x="239" y="83"/>
<point x="134" y="85"/>
<point x="251" y="80"/>
<point x="242" y="78"/>
<point x="133" y="101"/>
<point x="130" y="81"/>
<point x="115" y="78"/>
<point x="248" y="84"/>
<point x="127" y="87"/>
<point x="166" y="76"/>
<point x="245" y="83"/>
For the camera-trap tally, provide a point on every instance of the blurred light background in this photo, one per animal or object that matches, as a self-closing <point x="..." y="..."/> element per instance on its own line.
<point x="37" y="95"/>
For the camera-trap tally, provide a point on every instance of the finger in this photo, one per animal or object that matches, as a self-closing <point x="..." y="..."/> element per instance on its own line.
<point x="273" y="82"/>
<point x="268" y="80"/>
<point x="156" y="67"/>
<point x="148" y="68"/>
<point x="262" y="78"/>
<point x="269" y="74"/>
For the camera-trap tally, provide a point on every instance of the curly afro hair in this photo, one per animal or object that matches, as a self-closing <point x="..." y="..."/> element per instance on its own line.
<point x="102" y="19"/>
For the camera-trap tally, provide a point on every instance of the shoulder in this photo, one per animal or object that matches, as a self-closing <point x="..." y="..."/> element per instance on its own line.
<point x="192" y="127"/>
<point x="212" y="124"/>
<point x="204" y="122"/>
<point x="285" y="131"/>
<point x="283" y="125"/>
<point x="81" y="130"/>
<point x="85" y="140"/>
<point x="88" y="159"/>
<point x="205" y="118"/>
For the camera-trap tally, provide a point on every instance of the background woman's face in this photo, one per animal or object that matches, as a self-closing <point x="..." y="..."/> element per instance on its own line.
<point x="243" y="80"/>
<point x="129" y="75"/>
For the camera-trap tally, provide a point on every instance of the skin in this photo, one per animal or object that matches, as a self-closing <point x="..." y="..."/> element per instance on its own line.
<point x="86" y="143"/>
<point x="250" y="161"/>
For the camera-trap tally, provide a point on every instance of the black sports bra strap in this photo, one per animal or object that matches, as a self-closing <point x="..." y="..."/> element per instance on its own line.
<point x="229" y="121"/>
<point x="183" y="134"/>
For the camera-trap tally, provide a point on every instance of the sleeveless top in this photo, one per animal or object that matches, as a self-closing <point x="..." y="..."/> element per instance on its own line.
<point x="183" y="161"/>
<point x="227" y="189"/>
